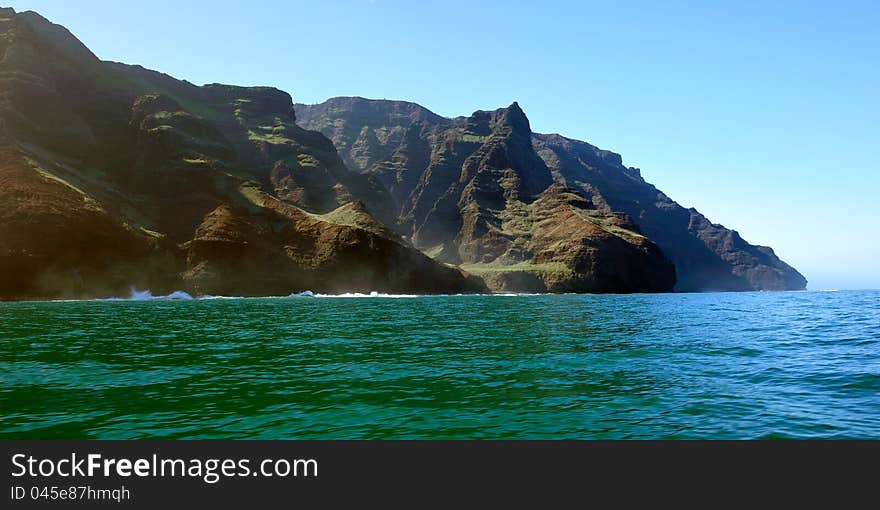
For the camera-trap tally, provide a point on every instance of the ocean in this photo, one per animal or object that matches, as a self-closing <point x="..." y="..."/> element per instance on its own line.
<point x="754" y="365"/>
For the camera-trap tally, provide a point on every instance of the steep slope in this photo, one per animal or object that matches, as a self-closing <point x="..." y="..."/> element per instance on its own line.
<point x="707" y="256"/>
<point x="114" y="176"/>
<point x="473" y="191"/>
<point x="456" y="185"/>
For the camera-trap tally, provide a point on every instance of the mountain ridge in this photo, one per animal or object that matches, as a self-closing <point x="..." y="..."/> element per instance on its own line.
<point x="113" y="175"/>
<point x="707" y="256"/>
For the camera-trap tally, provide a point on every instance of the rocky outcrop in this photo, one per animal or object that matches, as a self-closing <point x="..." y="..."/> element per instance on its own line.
<point x="460" y="185"/>
<point x="564" y="244"/>
<point x="707" y="256"/>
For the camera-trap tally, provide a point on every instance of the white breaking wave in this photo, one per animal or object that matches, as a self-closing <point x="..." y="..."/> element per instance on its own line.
<point x="373" y="294"/>
<point x="305" y="293"/>
<point x="146" y="295"/>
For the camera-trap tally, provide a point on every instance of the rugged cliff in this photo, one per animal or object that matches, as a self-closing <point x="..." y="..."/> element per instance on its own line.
<point x="464" y="189"/>
<point x="474" y="191"/>
<point x="114" y="176"/>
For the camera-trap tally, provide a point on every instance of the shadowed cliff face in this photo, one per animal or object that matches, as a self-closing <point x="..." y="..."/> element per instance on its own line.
<point x="473" y="191"/>
<point x="465" y="189"/>
<point x="114" y="176"/>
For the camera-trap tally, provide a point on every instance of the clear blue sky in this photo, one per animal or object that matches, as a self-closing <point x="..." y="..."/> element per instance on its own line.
<point x="765" y="116"/>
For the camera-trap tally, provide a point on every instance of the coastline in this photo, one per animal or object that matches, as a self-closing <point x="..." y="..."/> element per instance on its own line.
<point x="180" y="295"/>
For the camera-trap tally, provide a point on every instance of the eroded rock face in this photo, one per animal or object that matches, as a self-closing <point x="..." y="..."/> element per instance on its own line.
<point x="463" y="189"/>
<point x="707" y="256"/>
<point x="473" y="191"/>
<point x="114" y="176"/>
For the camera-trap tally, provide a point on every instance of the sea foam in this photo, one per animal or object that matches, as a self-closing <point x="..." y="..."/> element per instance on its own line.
<point x="373" y="294"/>
<point x="146" y="295"/>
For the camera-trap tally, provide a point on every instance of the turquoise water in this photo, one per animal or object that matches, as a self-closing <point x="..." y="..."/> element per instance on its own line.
<point x="725" y="365"/>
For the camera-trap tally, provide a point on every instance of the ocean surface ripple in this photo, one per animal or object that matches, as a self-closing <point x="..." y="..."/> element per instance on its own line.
<point x="708" y="366"/>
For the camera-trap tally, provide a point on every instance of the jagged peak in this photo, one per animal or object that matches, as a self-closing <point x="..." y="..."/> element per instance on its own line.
<point x="510" y="119"/>
<point x="515" y="108"/>
<point x="514" y="117"/>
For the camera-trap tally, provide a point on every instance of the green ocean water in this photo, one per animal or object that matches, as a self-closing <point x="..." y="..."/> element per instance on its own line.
<point x="710" y="366"/>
